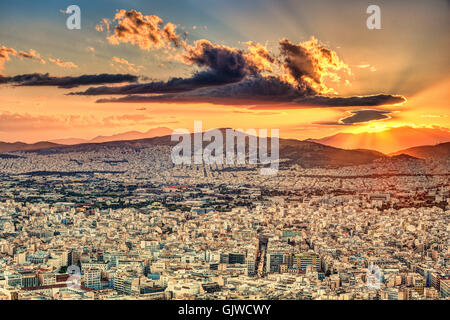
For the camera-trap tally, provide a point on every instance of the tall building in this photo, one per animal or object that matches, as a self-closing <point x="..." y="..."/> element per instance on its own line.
<point x="13" y="279"/>
<point x="445" y="288"/>
<point x="92" y="278"/>
<point x="251" y="265"/>
<point x="234" y="258"/>
<point x="47" y="278"/>
<point x="74" y="257"/>
<point x="126" y="284"/>
<point x="29" y="279"/>
<point x="288" y="259"/>
<point x="261" y="256"/>
<point x="302" y="261"/>
<point x="20" y="257"/>
<point x="403" y="294"/>
<point x="274" y="261"/>
<point x="419" y="283"/>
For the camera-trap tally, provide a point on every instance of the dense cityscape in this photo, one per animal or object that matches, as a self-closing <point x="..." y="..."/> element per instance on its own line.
<point x="123" y="223"/>
<point x="224" y="159"/>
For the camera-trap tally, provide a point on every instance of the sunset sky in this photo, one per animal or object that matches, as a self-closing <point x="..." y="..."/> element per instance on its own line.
<point x="308" y="68"/>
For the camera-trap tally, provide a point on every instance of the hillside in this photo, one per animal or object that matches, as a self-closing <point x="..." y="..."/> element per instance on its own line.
<point x="387" y="141"/>
<point x="304" y="153"/>
<point x="427" y="152"/>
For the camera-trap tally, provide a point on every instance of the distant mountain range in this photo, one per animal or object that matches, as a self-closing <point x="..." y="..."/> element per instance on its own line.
<point x="21" y="146"/>
<point x="130" y="135"/>
<point x="427" y="152"/>
<point x="305" y="153"/>
<point x="388" y="141"/>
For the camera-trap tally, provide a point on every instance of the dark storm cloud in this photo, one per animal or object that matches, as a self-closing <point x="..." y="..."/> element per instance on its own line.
<point x="253" y="77"/>
<point x="228" y="61"/>
<point x="358" y="116"/>
<point x="311" y="62"/>
<point x="261" y="92"/>
<point x="233" y="76"/>
<point x="40" y="79"/>
<point x="199" y="80"/>
<point x="365" y="116"/>
<point x="252" y="91"/>
<point x="330" y="123"/>
<point x="224" y="66"/>
<point x="298" y="62"/>
<point x="361" y="101"/>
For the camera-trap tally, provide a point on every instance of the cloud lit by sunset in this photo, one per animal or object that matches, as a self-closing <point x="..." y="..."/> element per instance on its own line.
<point x="143" y="67"/>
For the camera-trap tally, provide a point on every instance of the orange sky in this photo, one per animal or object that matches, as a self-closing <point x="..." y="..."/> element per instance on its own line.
<point x="388" y="61"/>
<point x="43" y="118"/>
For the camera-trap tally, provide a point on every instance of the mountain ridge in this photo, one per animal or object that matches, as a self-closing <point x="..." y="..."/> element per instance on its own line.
<point x="303" y="152"/>
<point x="128" y="135"/>
<point x="388" y="141"/>
<point x="441" y="150"/>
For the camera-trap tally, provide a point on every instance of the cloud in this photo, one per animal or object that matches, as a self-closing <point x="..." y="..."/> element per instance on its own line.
<point x="312" y="63"/>
<point x="238" y="77"/>
<point x="125" y="64"/>
<point x="105" y="24"/>
<point x="174" y="85"/>
<point x="147" y="32"/>
<point x="258" y="92"/>
<point x="295" y="78"/>
<point x="253" y="91"/>
<point x="234" y="63"/>
<point x="360" y="101"/>
<point x="39" y="79"/>
<point x="32" y="54"/>
<point x="224" y="66"/>
<point x="232" y="75"/>
<point x="330" y="123"/>
<point x="259" y="113"/>
<point x="358" y="116"/>
<point x="63" y="64"/>
<point x="260" y="56"/>
<point x="366" y="66"/>
<point x="5" y="54"/>
<point x="229" y="75"/>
